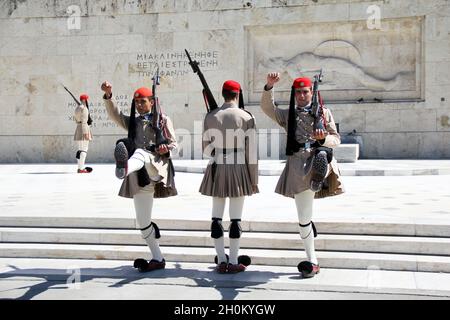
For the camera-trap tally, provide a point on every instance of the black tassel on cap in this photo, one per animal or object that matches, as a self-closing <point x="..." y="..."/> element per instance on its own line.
<point x="132" y="122"/>
<point x="292" y="146"/>
<point x="89" y="122"/>
<point x="241" y="99"/>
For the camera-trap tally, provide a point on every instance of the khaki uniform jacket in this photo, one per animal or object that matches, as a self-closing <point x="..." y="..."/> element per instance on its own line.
<point x="293" y="179"/>
<point x="81" y="115"/>
<point x="233" y="168"/>
<point x="145" y="137"/>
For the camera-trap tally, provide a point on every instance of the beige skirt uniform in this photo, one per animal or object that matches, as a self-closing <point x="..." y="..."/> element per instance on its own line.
<point x="81" y="115"/>
<point x="293" y="179"/>
<point x="233" y="169"/>
<point x="164" y="186"/>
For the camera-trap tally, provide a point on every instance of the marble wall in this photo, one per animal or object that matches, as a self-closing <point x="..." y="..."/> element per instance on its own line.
<point x="386" y="68"/>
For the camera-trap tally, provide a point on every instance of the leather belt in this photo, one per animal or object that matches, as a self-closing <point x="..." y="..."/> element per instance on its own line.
<point x="225" y="151"/>
<point x="305" y="145"/>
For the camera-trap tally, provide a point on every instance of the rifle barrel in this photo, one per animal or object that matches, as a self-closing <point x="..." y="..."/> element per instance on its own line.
<point x="76" y="100"/>
<point x="211" y="102"/>
<point x="188" y="55"/>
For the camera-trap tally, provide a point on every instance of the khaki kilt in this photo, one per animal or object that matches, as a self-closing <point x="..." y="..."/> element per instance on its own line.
<point x="164" y="187"/>
<point x="293" y="180"/>
<point x="228" y="180"/>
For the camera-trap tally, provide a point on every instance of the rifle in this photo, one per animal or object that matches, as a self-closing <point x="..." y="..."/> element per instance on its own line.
<point x="76" y="100"/>
<point x="89" y="122"/>
<point x="210" y="102"/>
<point x="316" y="104"/>
<point x="318" y="177"/>
<point x="156" y="116"/>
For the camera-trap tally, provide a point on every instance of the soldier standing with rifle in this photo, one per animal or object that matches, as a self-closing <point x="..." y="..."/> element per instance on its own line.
<point x="229" y="139"/>
<point x="149" y="172"/>
<point x="83" y="132"/>
<point x="311" y="170"/>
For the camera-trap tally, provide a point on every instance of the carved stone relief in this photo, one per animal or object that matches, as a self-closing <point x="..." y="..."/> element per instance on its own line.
<point x="357" y="62"/>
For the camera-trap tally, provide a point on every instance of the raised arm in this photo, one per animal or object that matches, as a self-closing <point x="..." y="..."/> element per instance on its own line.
<point x="111" y="107"/>
<point x="267" y="101"/>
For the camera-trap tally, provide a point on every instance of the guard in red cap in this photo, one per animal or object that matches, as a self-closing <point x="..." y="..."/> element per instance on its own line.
<point x="146" y="168"/>
<point x="303" y="141"/>
<point x="83" y="132"/>
<point x="229" y="139"/>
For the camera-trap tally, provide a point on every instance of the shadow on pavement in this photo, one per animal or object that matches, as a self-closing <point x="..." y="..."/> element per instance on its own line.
<point x="48" y="172"/>
<point x="229" y="286"/>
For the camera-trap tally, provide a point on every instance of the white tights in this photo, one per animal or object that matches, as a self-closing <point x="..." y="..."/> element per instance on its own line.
<point x="139" y="159"/>
<point x="83" y="146"/>
<point x="304" y="203"/>
<point x="143" y="204"/>
<point x="235" y="210"/>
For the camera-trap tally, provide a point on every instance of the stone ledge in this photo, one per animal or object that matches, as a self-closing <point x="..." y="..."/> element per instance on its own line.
<point x="328" y="259"/>
<point x="347" y="152"/>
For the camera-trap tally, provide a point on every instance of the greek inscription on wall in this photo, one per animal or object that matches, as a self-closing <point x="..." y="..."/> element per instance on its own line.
<point x="100" y="119"/>
<point x="172" y="64"/>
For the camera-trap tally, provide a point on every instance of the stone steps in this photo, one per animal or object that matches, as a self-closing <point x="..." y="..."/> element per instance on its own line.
<point x="419" y="229"/>
<point x="338" y="260"/>
<point x="259" y="240"/>
<point x="340" y="244"/>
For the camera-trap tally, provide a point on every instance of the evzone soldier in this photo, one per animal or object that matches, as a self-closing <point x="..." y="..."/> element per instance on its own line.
<point x="145" y="166"/>
<point x="83" y="132"/>
<point x="311" y="171"/>
<point x="229" y="138"/>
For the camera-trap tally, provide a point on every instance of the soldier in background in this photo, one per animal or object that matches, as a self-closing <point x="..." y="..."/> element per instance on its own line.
<point x="83" y="133"/>
<point x="296" y="182"/>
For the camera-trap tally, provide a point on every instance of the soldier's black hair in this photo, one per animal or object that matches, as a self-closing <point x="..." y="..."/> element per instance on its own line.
<point x="229" y="95"/>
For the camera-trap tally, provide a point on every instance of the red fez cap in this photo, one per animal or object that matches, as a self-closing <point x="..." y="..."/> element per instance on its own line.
<point x="143" y="93"/>
<point x="302" y="83"/>
<point x="231" y="85"/>
<point x="84" y="97"/>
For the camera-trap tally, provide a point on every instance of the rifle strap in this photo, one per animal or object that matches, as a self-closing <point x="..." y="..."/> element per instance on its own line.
<point x="206" y="100"/>
<point x="324" y="119"/>
<point x="163" y="125"/>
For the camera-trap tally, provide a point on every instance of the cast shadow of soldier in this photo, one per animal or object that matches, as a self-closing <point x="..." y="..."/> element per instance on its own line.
<point x="229" y="286"/>
<point x="48" y="172"/>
